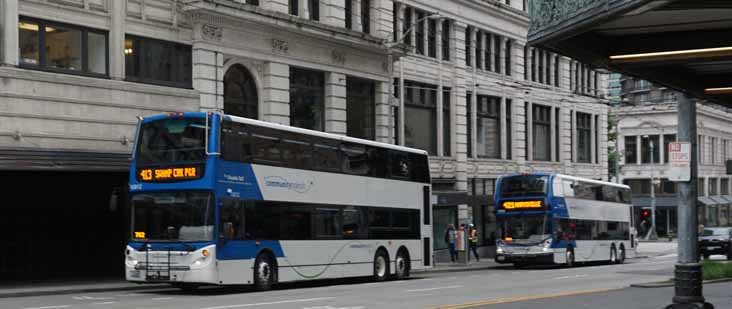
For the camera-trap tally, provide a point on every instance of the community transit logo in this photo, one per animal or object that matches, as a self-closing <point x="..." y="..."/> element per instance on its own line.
<point x="299" y="186"/>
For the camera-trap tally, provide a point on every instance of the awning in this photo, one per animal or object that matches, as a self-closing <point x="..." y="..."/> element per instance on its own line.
<point x="728" y="198"/>
<point x="707" y="201"/>
<point x="719" y="199"/>
<point x="661" y="201"/>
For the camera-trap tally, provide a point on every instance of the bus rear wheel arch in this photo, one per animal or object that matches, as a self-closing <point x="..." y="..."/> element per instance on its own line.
<point x="381" y="265"/>
<point x="402" y="264"/>
<point x="265" y="271"/>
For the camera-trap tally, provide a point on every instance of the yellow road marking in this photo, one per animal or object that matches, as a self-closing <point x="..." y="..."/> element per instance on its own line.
<point x="525" y="298"/>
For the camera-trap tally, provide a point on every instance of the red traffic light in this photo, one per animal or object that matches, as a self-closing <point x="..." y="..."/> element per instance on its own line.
<point x="646" y="213"/>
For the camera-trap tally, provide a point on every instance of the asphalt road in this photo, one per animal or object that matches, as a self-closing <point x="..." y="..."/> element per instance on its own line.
<point x="451" y="290"/>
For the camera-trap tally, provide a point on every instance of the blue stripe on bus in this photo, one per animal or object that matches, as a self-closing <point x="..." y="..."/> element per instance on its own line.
<point x="236" y="180"/>
<point x="247" y="249"/>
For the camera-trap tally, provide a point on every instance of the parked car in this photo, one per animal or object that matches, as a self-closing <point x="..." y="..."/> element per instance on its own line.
<point x="716" y="240"/>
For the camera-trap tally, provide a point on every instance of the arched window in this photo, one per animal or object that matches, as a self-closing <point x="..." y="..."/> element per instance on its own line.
<point x="240" y="93"/>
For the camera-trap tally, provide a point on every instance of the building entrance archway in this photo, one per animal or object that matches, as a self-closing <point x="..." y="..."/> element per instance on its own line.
<point x="240" y="93"/>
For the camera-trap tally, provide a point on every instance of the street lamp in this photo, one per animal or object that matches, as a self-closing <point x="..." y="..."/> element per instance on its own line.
<point x="389" y="46"/>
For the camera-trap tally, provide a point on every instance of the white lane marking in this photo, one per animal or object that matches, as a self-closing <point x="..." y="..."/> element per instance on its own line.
<point x="162" y="298"/>
<point x="105" y="303"/>
<point x="92" y="298"/>
<point x="129" y="295"/>
<point x="426" y="279"/>
<point x="272" y="303"/>
<point x="331" y="307"/>
<point x="437" y="288"/>
<point x="49" y="307"/>
<point x="451" y="278"/>
<point x="572" y="277"/>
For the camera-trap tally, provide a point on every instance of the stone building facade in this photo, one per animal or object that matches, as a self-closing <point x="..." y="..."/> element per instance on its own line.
<point x="75" y="75"/>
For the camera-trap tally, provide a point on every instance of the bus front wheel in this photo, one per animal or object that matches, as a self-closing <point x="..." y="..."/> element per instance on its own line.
<point x="381" y="266"/>
<point x="613" y="255"/>
<point x="263" y="273"/>
<point x="569" y="255"/>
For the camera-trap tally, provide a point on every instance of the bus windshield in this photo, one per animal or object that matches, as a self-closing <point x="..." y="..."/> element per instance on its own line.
<point x="525" y="185"/>
<point x="172" y="216"/>
<point x="523" y="229"/>
<point x="172" y="140"/>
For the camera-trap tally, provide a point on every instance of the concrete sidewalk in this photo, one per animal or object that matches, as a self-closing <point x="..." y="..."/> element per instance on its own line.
<point x="657" y="248"/>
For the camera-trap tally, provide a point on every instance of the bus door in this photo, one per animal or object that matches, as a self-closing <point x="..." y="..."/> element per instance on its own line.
<point x="231" y="251"/>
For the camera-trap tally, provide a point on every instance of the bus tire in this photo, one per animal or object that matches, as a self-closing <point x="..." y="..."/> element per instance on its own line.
<point x="263" y="272"/>
<point x="569" y="255"/>
<point x="621" y="254"/>
<point x="402" y="264"/>
<point x="613" y="255"/>
<point x="381" y="265"/>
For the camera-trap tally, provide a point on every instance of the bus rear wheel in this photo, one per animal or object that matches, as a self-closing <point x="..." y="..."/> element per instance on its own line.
<point x="381" y="266"/>
<point x="621" y="255"/>
<point x="263" y="273"/>
<point x="402" y="264"/>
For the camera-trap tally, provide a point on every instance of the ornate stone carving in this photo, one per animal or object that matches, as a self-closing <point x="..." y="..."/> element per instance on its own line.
<point x="280" y="46"/>
<point x="546" y="13"/>
<point x="338" y="57"/>
<point x="212" y="32"/>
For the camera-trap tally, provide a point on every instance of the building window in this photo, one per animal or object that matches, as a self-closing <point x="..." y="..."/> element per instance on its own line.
<point x="541" y="66"/>
<point x="526" y="62"/>
<point x="700" y="149"/>
<point x="667" y="139"/>
<point x="557" y="134"/>
<point x="407" y="25"/>
<point x="541" y="132"/>
<point x="360" y="108"/>
<point x="713" y="143"/>
<point x="294" y="7"/>
<point x="556" y="70"/>
<point x="419" y="32"/>
<point x="252" y="2"/>
<point x="420" y="123"/>
<point x="597" y="139"/>
<point x="509" y="138"/>
<point x="725" y="150"/>
<point x="432" y="38"/>
<point x="497" y="54"/>
<point x="724" y="186"/>
<point x="68" y="49"/>
<point x="639" y="186"/>
<point x="489" y="127"/>
<point x="584" y="137"/>
<point x="157" y="62"/>
<point x="487" y="55"/>
<point x="314" y="9"/>
<point x="646" y="151"/>
<point x="446" y="138"/>
<point x="533" y="64"/>
<point x="479" y="49"/>
<point x="631" y="150"/>
<point x="307" y="99"/>
<point x="366" y="16"/>
<point x="468" y="46"/>
<point x="240" y="93"/>
<point x="446" y="40"/>
<point x="349" y="16"/>
<point x="469" y="129"/>
<point x="509" y="45"/>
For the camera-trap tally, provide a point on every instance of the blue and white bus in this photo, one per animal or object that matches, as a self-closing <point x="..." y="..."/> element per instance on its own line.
<point x="559" y="219"/>
<point x="218" y="199"/>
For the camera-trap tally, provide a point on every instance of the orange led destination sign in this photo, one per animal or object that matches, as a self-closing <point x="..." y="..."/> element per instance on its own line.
<point x="168" y="174"/>
<point x="516" y="205"/>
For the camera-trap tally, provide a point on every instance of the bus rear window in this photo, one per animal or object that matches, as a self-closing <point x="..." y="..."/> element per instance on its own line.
<point x="527" y="185"/>
<point x="172" y="140"/>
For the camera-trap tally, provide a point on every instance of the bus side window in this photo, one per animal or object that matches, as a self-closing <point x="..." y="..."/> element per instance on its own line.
<point x="235" y="142"/>
<point x="355" y="159"/>
<point x="377" y="161"/>
<point x="352" y="227"/>
<point x="297" y="153"/>
<point x="399" y="167"/>
<point x="266" y="149"/>
<point x="232" y="220"/>
<point x="326" y="156"/>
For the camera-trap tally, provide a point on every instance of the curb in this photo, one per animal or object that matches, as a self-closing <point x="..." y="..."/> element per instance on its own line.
<point x="83" y="290"/>
<point x="461" y="269"/>
<point x="670" y="283"/>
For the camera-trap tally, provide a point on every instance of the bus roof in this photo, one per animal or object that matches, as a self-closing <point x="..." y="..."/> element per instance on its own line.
<point x="322" y="134"/>
<point x="563" y="176"/>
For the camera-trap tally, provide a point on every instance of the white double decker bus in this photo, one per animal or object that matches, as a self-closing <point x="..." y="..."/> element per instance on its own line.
<point x="219" y="199"/>
<point x="559" y="219"/>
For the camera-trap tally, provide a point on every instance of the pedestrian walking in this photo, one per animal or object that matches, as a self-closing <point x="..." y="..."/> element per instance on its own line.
<point x="451" y="240"/>
<point x="473" y="242"/>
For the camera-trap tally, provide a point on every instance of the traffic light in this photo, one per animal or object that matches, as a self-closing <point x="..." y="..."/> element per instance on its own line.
<point x="646" y="214"/>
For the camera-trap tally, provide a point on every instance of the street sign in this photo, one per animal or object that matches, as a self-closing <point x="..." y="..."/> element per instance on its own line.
<point x="679" y="157"/>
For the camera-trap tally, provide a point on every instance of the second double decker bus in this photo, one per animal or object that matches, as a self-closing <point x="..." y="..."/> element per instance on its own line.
<point x="559" y="219"/>
<point x="219" y="199"/>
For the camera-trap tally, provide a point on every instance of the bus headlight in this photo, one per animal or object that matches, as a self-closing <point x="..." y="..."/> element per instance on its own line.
<point x="499" y="250"/>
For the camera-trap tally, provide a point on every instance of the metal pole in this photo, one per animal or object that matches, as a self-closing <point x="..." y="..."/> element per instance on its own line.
<point x="688" y="271"/>
<point x="652" y="232"/>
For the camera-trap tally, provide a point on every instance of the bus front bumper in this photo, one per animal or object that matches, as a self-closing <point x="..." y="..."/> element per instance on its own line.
<point x="529" y="258"/>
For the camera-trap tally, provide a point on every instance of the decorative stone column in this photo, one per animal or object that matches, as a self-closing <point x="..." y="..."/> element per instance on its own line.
<point x="276" y="105"/>
<point x="382" y="114"/>
<point x="208" y="77"/>
<point x="9" y="32"/>
<point x="118" y="11"/>
<point x="335" y="103"/>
